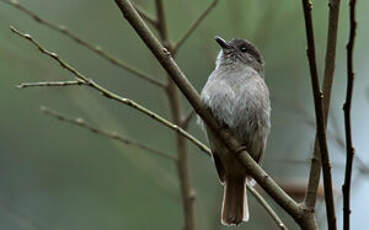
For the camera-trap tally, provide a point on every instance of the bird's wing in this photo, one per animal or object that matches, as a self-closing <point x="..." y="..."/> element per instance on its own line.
<point x="218" y="164"/>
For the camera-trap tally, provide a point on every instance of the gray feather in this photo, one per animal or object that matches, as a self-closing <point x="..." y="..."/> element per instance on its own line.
<point x="238" y="97"/>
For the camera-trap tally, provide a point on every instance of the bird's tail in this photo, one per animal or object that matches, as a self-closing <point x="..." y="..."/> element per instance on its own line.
<point x="235" y="208"/>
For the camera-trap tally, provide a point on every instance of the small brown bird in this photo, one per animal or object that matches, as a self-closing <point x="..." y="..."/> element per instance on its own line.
<point x="238" y="98"/>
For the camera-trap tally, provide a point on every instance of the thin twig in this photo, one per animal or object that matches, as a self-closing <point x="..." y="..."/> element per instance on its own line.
<point x="327" y="176"/>
<point x="49" y="84"/>
<point x="304" y="219"/>
<point x="330" y="60"/>
<point x="98" y="50"/>
<point x="350" y="151"/>
<point x="330" y="54"/>
<point x="194" y="25"/>
<point x="112" y="95"/>
<point x="267" y="207"/>
<point x="114" y="135"/>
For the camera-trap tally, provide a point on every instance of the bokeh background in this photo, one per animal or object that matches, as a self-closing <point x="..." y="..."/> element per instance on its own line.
<point x="55" y="175"/>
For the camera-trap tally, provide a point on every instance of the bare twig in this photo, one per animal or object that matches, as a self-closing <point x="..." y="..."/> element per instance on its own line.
<point x="194" y="25"/>
<point x="301" y="216"/>
<point x="49" y="83"/>
<point x="114" y="135"/>
<point x="327" y="176"/>
<point x="350" y="151"/>
<point x="98" y="50"/>
<point x="330" y="55"/>
<point x="114" y="96"/>
<point x="330" y="59"/>
<point x="267" y="207"/>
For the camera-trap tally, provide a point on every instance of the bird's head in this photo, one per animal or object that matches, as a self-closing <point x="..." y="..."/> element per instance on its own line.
<point x="239" y="52"/>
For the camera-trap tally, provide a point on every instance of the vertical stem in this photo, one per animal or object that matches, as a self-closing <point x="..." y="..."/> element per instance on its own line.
<point x="188" y="194"/>
<point x="350" y="151"/>
<point x="320" y="121"/>
<point x="330" y="60"/>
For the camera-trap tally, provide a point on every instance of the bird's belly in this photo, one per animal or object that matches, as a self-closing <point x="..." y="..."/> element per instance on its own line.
<point x="248" y="123"/>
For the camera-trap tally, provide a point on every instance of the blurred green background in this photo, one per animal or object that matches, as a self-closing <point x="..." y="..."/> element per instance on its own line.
<point x="57" y="176"/>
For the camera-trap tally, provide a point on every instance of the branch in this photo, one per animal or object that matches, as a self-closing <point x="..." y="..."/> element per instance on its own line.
<point x="350" y="151"/>
<point x="327" y="176"/>
<point x="49" y="84"/>
<point x="166" y="60"/>
<point x="267" y="207"/>
<point x="194" y="25"/>
<point x="96" y="49"/>
<point x="146" y="16"/>
<point x="187" y="191"/>
<point x="330" y="59"/>
<point x="113" y="96"/>
<point x="114" y="135"/>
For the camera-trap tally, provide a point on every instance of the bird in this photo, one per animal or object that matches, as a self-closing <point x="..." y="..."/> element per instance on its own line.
<point x="238" y="98"/>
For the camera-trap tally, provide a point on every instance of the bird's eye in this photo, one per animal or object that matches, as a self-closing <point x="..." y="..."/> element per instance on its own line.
<point x="243" y="49"/>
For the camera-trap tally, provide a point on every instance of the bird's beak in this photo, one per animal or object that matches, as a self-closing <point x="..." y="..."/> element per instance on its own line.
<point x="223" y="43"/>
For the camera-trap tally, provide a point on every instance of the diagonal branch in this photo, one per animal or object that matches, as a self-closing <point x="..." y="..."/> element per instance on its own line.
<point x="330" y="59"/>
<point x="194" y="25"/>
<point x="267" y="207"/>
<point x="96" y="49"/>
<point x="147" y="17"/>
<point x="327" y="176"/>
<point x="49" y="84"/>
<point x="304" y="219"/>
<point x="113" y="96"/>
<point x="350" y="151"/>
<point x="114" y="135"/>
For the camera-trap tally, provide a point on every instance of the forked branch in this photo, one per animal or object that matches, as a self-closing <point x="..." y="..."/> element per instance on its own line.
<point x="330" y="64"/>
<point x="319" y="115"/>
<point x="96" y="49"/>
<point x="89" y="82"/>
